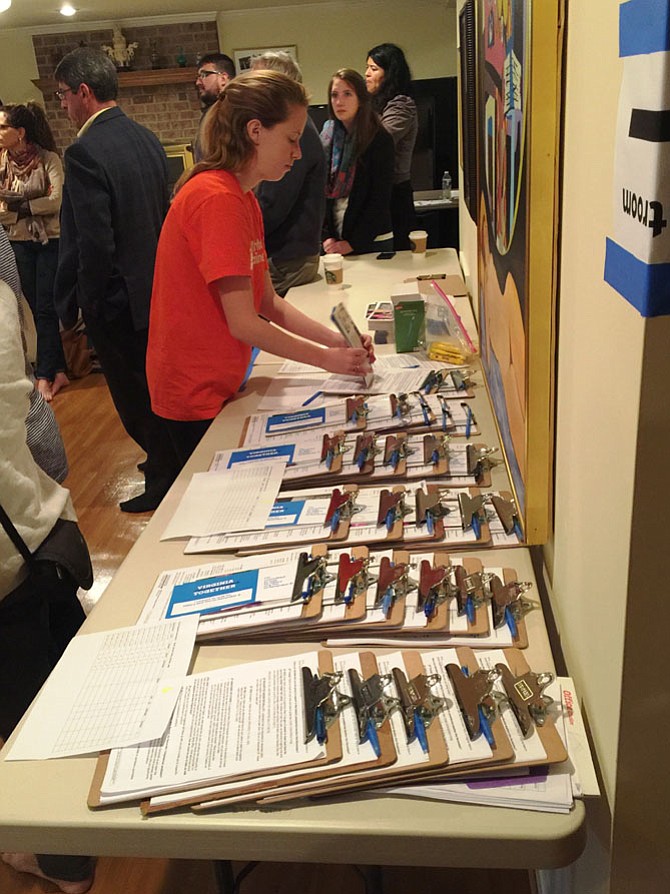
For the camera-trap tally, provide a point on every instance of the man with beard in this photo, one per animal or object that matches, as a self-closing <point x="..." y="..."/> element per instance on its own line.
<point x="214" y="72"/>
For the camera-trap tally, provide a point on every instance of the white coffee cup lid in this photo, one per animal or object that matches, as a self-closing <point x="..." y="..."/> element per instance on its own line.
<point x="332" y="258"/>
<point x="417" y="234"/>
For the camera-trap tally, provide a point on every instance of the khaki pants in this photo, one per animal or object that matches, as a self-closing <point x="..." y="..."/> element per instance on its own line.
<point x="294" y="272"/>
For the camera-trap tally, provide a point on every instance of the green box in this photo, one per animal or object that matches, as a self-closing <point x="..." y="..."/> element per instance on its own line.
<point x="410" y="325"/>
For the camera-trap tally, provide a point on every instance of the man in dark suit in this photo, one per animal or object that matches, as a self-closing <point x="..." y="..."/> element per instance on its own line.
<point x="114" y="201"/>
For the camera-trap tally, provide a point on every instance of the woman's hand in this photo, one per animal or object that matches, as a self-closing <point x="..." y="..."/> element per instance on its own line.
<point x="347" y="361"/>
<point x="337" y="247"/>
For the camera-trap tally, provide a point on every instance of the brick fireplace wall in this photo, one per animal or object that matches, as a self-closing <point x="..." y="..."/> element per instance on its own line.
<point x="172" y="111"/>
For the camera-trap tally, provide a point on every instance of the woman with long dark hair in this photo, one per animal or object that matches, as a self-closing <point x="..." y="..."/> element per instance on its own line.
<point x="31" y="185"/>
<point x="212" y="295"/>
<point x="359" y="155"/>
<point x="388" y="80"/>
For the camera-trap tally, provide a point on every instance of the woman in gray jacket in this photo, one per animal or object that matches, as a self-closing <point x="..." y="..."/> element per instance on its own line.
<point x="387" y="77"/>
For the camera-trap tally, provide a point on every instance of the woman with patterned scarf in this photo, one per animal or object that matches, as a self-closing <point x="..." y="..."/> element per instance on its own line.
<point x="360" y="155"/>
<point x="31" y="185"/>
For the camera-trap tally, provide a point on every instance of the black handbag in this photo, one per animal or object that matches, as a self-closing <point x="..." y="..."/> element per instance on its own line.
<point x="63" y="549"/>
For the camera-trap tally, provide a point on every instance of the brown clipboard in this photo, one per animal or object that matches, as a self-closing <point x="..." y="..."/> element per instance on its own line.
<point x="306" y="784"/>
<point x="438" y="757"/>
<point x="333" y="749"/>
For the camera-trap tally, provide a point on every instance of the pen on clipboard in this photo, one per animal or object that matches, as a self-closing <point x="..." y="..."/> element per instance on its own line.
<point x="311" y="399"/>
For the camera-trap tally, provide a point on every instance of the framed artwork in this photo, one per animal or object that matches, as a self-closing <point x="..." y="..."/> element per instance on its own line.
<point x="519" y="50"/>
<point x="243" y="57"/>
<point x="179" y="159"/>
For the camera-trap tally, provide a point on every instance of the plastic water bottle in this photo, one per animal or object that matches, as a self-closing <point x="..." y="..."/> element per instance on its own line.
<point x="446" y="186"/>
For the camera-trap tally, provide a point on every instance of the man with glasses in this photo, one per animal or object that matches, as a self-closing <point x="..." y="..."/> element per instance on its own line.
<point x="115" y="198"/>
<point x="214" y="72"/>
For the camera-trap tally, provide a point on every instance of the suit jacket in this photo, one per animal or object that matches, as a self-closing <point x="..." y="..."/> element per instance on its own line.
<point x="293" y="207"/>
<point x="114" y="201"/>
<point x="368" y="211"/>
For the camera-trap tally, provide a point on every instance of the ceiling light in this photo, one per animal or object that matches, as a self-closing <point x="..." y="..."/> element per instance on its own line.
<point x="67" y="9"/>
<point x="5" y="4"/>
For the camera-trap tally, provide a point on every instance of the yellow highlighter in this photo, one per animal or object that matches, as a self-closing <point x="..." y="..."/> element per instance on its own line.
<point x="445" y="352"/>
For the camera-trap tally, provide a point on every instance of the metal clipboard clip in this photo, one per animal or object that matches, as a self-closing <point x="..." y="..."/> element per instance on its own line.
<point x="426" y="411"/>
<point x="311" y="577"/>
<point x="429" y="509"/>
<point x="434" y="587"/>
<point x="432" y="382"/>
<point x="468" y="591"/>
<point x="352" y="578"/>
<point x="332" y="447"/>
<point x="479" y="460"/>
<point x="418" y="705"/>
<point x="526" y="697"/>
<point x="435" y="448"/>
<point x="395" y="450"/>
<point x="476" y="699"/>
<point x="393" y="583"/>
<point x="400" y="406"/>
<point x="472" y="513"/>
<point x="507" y="512"/>
<point x="392" y="508"/>
<point x="323" y="703"/>
<point x="364" y="452"/>
<point x="447" y="418"/>
<point x="342" y="506"/>
<point x="507" y="603"/>
<point x="357" y="411"/>
<point x="372" y="705"/>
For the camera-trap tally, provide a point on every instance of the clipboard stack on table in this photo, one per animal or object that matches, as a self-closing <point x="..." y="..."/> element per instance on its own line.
<point x="448" y="413"/>
<point x="349" y="515"/>
<point x="383" y="597"/>
<point x="318" y="724"/>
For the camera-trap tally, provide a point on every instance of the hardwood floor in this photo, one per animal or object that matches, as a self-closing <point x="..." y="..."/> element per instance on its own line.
<point x="103" y="470"/>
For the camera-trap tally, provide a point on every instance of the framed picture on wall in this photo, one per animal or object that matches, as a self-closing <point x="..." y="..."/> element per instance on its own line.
<point x="179" y="159"/>
<point x="243" y="57"/>
<point x="519" y="51"/>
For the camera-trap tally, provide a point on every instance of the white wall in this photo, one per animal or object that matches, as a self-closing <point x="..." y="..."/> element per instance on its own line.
<point x="17" y="67"/>
<point x="336" y="35"/>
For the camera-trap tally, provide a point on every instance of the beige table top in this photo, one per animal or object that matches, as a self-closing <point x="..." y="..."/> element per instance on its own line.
<point x="43" y="803"/>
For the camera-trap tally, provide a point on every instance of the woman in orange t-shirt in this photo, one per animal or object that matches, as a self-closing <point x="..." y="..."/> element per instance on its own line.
<point x="212" y="295"/>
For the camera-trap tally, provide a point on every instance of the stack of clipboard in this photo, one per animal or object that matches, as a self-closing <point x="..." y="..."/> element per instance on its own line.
<point x="386" y="597"/>
<point x="319" y="724"/>
<point x="328" y="458"/>
<point x="397" y="514"/>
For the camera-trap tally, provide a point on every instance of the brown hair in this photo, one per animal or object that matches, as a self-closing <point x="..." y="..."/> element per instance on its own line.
<point x="266" y="96"/>
<point x="367" y="123"/>
<point x="32" y="119"/>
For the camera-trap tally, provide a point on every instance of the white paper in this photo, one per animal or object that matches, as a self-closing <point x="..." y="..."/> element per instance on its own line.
<point x="219" y="503"/>
<point x="108" y="690"/>
<point x="227" y="723"/>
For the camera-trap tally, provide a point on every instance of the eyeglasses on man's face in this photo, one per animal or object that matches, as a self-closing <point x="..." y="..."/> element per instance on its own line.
<point x="60" y="94"/>
<point x="206" y="72"/>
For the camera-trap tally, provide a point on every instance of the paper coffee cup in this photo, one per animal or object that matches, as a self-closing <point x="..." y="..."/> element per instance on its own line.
<point x="418" y="240"/>
<point x="332" y="268"/>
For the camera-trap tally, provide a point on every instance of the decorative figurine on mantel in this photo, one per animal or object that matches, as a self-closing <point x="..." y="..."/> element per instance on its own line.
<point x="121" y="52"/>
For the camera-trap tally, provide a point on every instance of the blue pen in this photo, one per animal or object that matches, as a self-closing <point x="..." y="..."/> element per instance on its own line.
<point x="360" y="460"/>
<point x="320" y="726"/>
<point x="511" y="623"/>
<point x="429" y="606"/>
<point x="330" y="456"/>
<point x="517" y="530"/>
<point x="387" y="601"/>
<point x="395" y="459"/>
<point x="430" y="524"/>
<point x="468" y="421"/>
<point x="435" y="457"/>
<point x="390" y="519"/>
<point x="420" y="731"/>
<point x="312" y="398"/>
<point x="372" y="737"/>
<point x="335" y="521"/>
<point x="470" y="610"/>
<point x="476" y="526"/>
<point x="486" y="727"/>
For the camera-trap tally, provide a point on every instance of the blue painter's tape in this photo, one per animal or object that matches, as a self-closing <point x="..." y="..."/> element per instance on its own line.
<point x="644" y="27"/>
<point x="645" y="286"/>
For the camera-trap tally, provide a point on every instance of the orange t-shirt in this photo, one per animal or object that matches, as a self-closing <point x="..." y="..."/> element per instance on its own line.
<point x="213" y="229"/>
